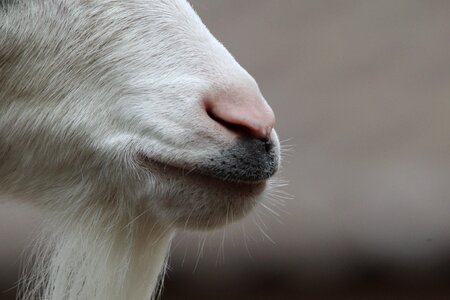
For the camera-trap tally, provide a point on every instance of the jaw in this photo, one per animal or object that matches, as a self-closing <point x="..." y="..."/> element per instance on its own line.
<point x="201" y="202"/>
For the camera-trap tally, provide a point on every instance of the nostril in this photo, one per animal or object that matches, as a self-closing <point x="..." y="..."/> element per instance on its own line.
<point x="242" y="131"/>
<point x="236" y="128"/>
<point x="242" y="110"/>
<point x="241" y="122"/>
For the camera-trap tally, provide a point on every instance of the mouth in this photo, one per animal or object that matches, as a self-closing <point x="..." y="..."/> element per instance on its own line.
<point x="201" y="176"/>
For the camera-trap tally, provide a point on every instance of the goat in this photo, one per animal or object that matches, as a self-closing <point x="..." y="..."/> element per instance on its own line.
<point x="123" y="121"/>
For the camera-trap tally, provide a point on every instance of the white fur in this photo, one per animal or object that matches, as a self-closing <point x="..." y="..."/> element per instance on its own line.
<point x="87" y="88"/>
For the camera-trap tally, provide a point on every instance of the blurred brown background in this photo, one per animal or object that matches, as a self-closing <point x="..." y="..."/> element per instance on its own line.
<point x="362" y="89"/>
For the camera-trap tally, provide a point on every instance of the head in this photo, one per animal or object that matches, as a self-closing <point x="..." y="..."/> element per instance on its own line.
<point x="131" y="105"/>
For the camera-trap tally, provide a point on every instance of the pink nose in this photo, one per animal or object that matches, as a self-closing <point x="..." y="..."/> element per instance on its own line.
<point x="242" y="109"/>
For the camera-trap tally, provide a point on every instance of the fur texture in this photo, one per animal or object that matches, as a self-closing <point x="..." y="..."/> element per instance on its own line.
<point x="101" y="127"/>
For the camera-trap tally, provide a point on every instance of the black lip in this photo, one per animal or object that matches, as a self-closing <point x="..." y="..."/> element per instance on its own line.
<point x="233" y="187"/>
<point x="248" y="161"/>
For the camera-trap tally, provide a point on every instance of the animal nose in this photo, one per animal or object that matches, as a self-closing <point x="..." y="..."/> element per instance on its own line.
<point x="243" y="110"/>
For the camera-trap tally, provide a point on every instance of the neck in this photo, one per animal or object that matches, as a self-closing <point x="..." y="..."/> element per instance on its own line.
<point x="95" y="258"/>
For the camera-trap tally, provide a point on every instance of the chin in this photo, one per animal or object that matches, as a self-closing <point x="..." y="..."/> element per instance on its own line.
<point x="198" y="201"/>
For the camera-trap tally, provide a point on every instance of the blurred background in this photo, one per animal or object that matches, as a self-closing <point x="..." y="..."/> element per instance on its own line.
<point x="361" y="89"/>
